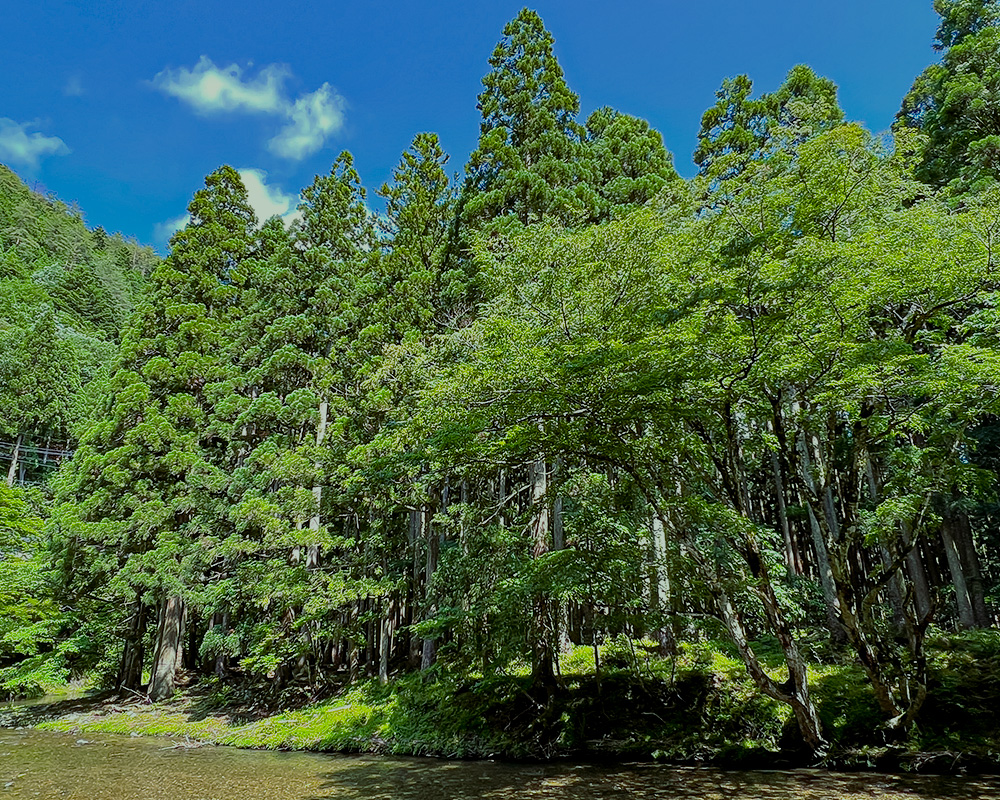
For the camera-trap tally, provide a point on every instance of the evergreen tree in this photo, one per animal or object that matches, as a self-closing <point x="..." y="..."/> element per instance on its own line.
<point x="149" y="479"/>
<point x="956" y="103"/>
<point x="630" y="165"/>
<point x="528" y="163"/>
<point x="305" y="341"/>
<point x="40" y="375"/>
<point x="428" y="284"/>
<point x="740" y="130"/>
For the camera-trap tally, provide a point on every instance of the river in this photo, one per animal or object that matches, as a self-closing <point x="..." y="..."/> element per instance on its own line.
<point x="41" y="764"/>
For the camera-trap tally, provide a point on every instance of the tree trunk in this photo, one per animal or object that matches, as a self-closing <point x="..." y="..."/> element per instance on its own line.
<point x="14" y="457"/>
<point x="791" y="559"/>
<point x="918" y="576"/>
<point x="564" y="643"/>
<point x="542" y="664"/>
<point x="429" y="652"/>
<point x="966" y="619"/>
<point x="973" y="570"/>
<point x="312" y="555"/>
<point x="353" y="646"/>
<point x="659" y="589"/>
<point x="169" y="636"/>
<point x="795" y="691"/>
<point x="837" y="633"/>
<point x="895" y="590"/>
<point x="385" y="638"/>
<point x="219" y="663"/>
<point x="823" y="564"/>
<point x="134" y="651"/>
<point x="414" y="534"/>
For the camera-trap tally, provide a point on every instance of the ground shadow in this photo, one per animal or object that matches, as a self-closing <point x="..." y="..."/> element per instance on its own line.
<point x="429" y="779"/>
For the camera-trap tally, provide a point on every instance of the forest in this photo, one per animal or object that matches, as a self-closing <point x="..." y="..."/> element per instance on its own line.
<point x="558" y="423"/>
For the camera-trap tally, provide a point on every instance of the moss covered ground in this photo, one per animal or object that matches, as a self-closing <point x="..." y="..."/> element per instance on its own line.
<point x="698" y="707"/>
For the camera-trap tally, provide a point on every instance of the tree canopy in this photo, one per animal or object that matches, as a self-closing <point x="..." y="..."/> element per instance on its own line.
<point x="564" y="407"/>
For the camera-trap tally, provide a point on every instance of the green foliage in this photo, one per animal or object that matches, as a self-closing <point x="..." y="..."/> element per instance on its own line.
<point x="740" y="130"/>
<point x="576" y="412"/>
<point x="629" y="162"/>
<point x="527" y="161"/>
<point x="139" y="503"/>
<point x="954" y="102"/>
<point x="30" y="617"/>
<point x="965" y="679"/>
<point x="65" y="295"/>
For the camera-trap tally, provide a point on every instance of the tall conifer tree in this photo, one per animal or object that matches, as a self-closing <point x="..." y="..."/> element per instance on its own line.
<point x="528" y="162"/>
<point x="151" y="476"/>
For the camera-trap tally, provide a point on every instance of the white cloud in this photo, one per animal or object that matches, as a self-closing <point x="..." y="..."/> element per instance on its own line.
<point x="211" y="89"/>
<point x="268" y="201"/>
<point x="162" y="231"/>
<point x="20" y="147"/>
<point x="311" y="119"/>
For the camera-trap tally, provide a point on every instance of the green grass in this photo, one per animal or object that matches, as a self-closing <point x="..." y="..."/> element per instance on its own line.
<point x="698" y="706"/>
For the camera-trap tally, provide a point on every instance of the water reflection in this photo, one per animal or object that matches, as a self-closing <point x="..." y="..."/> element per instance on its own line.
<point x="39" y="764"/>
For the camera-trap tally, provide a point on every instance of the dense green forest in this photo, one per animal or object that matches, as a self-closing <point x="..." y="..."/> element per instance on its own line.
<point x="562" y="407"/>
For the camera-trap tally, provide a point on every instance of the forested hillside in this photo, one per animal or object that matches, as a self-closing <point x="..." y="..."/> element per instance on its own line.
<point x="67" y="293"/>
<point x="561" y="408"/>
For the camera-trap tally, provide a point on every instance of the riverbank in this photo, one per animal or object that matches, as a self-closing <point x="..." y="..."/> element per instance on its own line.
<point x="48" y="764"/>
<point x="699" y="708"/>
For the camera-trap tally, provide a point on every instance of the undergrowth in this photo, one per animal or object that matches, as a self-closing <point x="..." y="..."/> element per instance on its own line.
<point x="698" y="706"/>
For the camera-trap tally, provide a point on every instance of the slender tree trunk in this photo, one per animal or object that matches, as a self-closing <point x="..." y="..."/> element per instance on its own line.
<point x="372" y="631"/>
<point x="824" y="566"/>
<point x="966" y="618"/>
<point x="564" y="643"/>
<point x="133" y="653"/>
<point x="542" y="651"/>
<point x="973" y="570"/>
<point x="415" y="518"/>
<point x="429" y="652"/>
<point x="826" y="582"/>
<point x="895" y="590"/>
<point x="192" y="636"/>
<point x="353" y="647"/>
<point x="385" y="638"/>
<point x="918" y="576"/>
<point x="169" y="638"/>
<point x="312" y="557"/>
<point x="659" y="589"/>
<point x="14" y="458"/>
<point x="791" y="560"/>
<point x="219" y="620"/>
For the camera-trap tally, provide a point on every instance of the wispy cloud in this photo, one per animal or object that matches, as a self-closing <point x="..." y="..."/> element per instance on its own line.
<point x="268" y="201"/>
<point x="310" y="119"/>
<point x="74" y="86"/>
<point x="20" y="147"/>
<point x="162" y="231"/>
<point x="210" y="89"/>
<point x="265" y="199"/>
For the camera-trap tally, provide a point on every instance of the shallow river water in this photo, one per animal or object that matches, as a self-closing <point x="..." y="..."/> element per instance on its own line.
<point x="101" y="767"/>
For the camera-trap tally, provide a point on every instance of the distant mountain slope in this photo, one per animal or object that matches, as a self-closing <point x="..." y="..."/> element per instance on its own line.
<point x="65" y="294"/>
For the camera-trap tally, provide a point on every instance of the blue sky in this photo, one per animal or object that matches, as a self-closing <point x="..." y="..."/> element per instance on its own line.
<point x="123" y="106"/>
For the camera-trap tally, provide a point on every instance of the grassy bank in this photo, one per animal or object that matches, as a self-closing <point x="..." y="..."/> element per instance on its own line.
<point x="696" y="708"/>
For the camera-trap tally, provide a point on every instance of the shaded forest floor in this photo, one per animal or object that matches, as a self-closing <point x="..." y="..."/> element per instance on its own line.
<point x="698" y="708"/>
